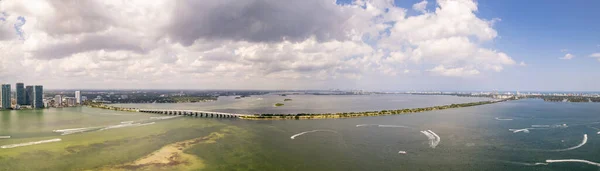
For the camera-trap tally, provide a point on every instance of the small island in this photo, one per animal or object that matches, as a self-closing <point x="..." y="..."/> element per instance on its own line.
<point x="285" y="100"/>
<point x="278" y="104"/>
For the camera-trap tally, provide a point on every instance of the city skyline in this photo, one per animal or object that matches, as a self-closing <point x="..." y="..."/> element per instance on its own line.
<point x="371" y="45"/>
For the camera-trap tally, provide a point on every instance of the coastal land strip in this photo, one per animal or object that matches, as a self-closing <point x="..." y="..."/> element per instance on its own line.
<point x="334" y="115"/>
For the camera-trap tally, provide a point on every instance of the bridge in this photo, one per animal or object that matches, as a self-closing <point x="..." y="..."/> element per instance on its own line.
<point x="193" y="113"/>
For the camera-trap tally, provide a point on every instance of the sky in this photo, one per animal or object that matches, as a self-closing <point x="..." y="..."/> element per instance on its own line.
<point x="462" y="45"/>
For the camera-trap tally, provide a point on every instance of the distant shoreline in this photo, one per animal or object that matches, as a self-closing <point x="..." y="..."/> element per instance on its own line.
<point x="365" y="114"/>
<point x="329" y="115"/>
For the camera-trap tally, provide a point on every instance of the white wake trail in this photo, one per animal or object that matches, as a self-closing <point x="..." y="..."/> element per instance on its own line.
<point x="30" y="143"/>
<point x="503" y="119"/>
<point x="573" y="161"/>
<point x="305" y="132"/>
<point x="437" y="139"/>
<point x="525" y="130"/>
<point x="4" y="137"/>
<point x="431" y="137"/>
<point x="392" y="126"/>
<point x="585" y="138"/>
<point x="74" y="130"/>
<point x="383" y="126"/>
<point x="126" y="125"/>
<point x="524" y="164"/>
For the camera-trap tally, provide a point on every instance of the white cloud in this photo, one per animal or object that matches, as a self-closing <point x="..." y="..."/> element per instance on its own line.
<point x="251" y="44"/>
<point x="595" y="55"/>
<point x="522" y="63"/>
<point x="453" y="72"/>
<point x="421" y="6"/>
<point x="568" y="56"/>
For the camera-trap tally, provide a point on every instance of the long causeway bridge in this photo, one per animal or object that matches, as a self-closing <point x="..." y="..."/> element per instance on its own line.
<point x="193" y="113"/>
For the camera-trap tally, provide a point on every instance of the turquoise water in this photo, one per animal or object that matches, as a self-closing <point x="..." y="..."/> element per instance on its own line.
<point x="473" y="138"/>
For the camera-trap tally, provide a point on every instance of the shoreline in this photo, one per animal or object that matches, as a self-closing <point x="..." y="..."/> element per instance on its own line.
<point x="366" y="113"/>
<point x="331" y="115"/>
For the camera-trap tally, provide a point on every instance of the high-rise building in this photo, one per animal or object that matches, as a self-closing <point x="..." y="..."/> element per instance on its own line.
<point x="70" y="101"/>
<point x="29" y="95"/>
<point x="5" y="96"/>
<point x="21" y="94"/>
<point x="57" y="101"/>
<point x="38" y="97"/>
<point x="78" y="97"/>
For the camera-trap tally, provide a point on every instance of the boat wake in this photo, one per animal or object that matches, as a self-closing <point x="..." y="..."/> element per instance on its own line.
<point x="550" y="126"/>
<point x="31" y="143"/>
<point x="382" y="126"/>
<point x="503" y="119"/>
<point x="305" y="132"/>
<point x="126" y="125"/>
<point x="585" y="138"/>
<point x="4" y="137"/>
<point x="524" y="164"/>
<point x="434" y="139"/>
<point x="595" y="129"/>
<point x="74" y="130"/>
<point x="525" y="130"/>
<point x="573" y="161"/>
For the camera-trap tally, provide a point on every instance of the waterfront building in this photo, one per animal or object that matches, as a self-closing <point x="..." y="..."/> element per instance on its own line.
<point x="58" y="101"/>
<point x="78" y="97"/>
<point x="70" y="101"/>
<point x="20" y="94"/>
<point x="6" y="96"/>
<point x="28" y="95"/>
<point x="38" y="97"/>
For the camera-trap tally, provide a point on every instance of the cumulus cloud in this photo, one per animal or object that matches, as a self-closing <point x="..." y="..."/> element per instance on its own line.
<point x="259" y="20"/>
<point x="567" y="56"/>
<point x="278" y="43"/>
<point x="421" y="6"/>
<point x="453" y="72"/>
<point x="522" y="63"/>
<point x="595" y="55"/>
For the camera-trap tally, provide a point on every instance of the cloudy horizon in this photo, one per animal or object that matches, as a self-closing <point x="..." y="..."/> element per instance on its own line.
<point x="287" y="44"/>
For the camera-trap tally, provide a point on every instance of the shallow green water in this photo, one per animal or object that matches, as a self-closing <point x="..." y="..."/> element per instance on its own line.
<point x="474" y="138"/>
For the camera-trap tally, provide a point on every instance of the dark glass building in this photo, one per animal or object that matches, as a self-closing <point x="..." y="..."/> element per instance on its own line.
<point x="21" y="94"/>
<point x="6" y="103"/>
<point x="38" y="97"/>
<point x="29" y="95"/>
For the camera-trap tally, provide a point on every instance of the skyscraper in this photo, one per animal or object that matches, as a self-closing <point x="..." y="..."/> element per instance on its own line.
<point x="6" y="96"/>
<point x="21" y="94"/>
<point x="29" y="95"/>
<point x="38" y="97"/>
<point x="78" y="97"/>
<point x="57" y="101"/>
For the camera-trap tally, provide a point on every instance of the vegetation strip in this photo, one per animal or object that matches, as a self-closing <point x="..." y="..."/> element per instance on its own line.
<point x="368" y="113"/>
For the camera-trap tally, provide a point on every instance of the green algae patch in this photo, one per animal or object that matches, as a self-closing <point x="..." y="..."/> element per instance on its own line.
<point x="95" y="150"/>
<point x="173" y="156"/>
